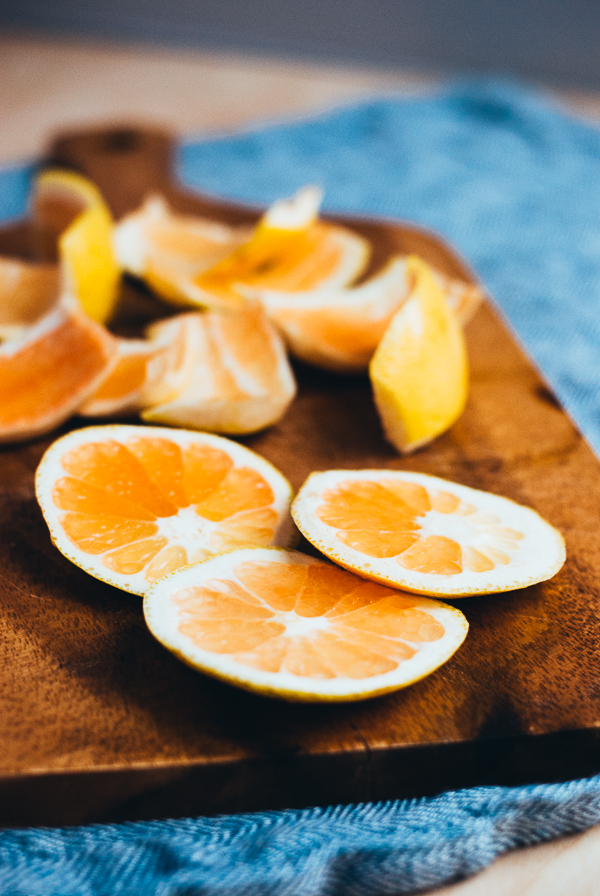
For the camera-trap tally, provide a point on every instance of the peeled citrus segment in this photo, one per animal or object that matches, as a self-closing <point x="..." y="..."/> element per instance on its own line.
<point x="130" y="504"/>
<point x="48" y="373"/>
<point x="69" y="206"/>
<point x="148" y="371"/>
<point x="286" y="625"/>
<point x="425" y="534"/>
<point x="27" y="292"/>
<point x="419" y="371"/>
<point x="166" y="248"/>
<point x="241" y="381"/>
<point x="339" y="329"/>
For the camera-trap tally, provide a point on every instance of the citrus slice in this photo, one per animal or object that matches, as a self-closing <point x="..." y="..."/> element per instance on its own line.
<point x="48" y="373"/>
<point x="164" y="247"/>
<point x="339" y="329"/>
<point x="68" y="205"/>
<point x="130" y="504"/>
<point x="241" y="381"/>
<point x="288" y="625"/>
<point x="419" y="371"/>
<point x="425" y="534"/>
<point x="148" y="371"/>
<point x="27" y="292"/>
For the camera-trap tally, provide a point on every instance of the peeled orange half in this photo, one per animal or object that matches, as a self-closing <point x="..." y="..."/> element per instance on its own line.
<point x="169" y="250"/>
<point x="130" y="504"/>
<point x="339" y="328"/>
<point x="286" y="625"/>
<point x="290" y="250"/>
<point x="425" y="534"/>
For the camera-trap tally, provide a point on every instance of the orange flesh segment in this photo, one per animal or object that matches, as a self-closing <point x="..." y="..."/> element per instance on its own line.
<point x="45" y="379"/>
<point x="360" y="630"/>
<point x="280" y="260"/>
<point x="385" y="519"/>
<point x="128" y="376"/>
<point x="115" y="494"/>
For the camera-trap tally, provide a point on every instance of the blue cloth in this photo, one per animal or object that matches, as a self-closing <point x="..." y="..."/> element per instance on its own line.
<point x="515" y="185"/>
<point x="371" y="850"/>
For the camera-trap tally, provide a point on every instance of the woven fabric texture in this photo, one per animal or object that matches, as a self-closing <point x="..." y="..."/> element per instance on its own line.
<point x="515" y="185"/>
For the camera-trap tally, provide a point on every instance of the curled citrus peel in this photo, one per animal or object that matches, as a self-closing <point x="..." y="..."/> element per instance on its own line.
<point x="419" y="371"/>
<point x="286" y="625"/>
<point x="68" y="207"/>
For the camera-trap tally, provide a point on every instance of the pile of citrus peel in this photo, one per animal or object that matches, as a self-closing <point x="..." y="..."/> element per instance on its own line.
<point x="292" y="283"/>
<point x="201" y="526"/>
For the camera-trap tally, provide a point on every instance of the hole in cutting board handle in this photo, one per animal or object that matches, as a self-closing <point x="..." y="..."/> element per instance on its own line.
<point x="120" y="141"/>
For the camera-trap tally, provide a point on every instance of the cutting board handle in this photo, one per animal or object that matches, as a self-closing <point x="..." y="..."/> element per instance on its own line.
<point x="127" y="162"/>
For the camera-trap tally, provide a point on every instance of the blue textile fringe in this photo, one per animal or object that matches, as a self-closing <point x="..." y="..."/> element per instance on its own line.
<point x="514" y="184"/>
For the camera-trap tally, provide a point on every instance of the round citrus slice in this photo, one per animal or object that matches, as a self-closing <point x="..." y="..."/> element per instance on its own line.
<point x="130" y="504"/>
<point x="49" y="372"/>
<point x="419" y="371"/>
<point x="288" y="625"/>
<point x="425" y="534"/>
<point x="69" y="207"/>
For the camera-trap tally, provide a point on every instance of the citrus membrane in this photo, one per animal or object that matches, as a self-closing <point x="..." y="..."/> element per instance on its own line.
<point x="240" y="380"/>
<point x="287" y="625"/>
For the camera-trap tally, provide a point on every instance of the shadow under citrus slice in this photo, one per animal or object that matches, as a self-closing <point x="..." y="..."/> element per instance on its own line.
<point x="287" y="625"/>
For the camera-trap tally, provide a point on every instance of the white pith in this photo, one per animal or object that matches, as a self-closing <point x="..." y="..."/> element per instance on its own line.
<point x="474" y="531"/>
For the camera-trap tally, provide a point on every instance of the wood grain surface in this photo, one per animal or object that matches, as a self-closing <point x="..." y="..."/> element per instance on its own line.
<point x="100" y="722"/>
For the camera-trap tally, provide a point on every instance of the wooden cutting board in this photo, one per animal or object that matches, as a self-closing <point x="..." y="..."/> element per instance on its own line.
<point x="99" y="722"/>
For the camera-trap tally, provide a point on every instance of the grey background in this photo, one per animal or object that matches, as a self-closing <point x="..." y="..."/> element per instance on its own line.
<point x="557" y="41"/>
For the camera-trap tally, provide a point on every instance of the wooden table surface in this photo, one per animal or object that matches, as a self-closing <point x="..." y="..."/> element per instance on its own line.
<point x="51" y="85"/>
